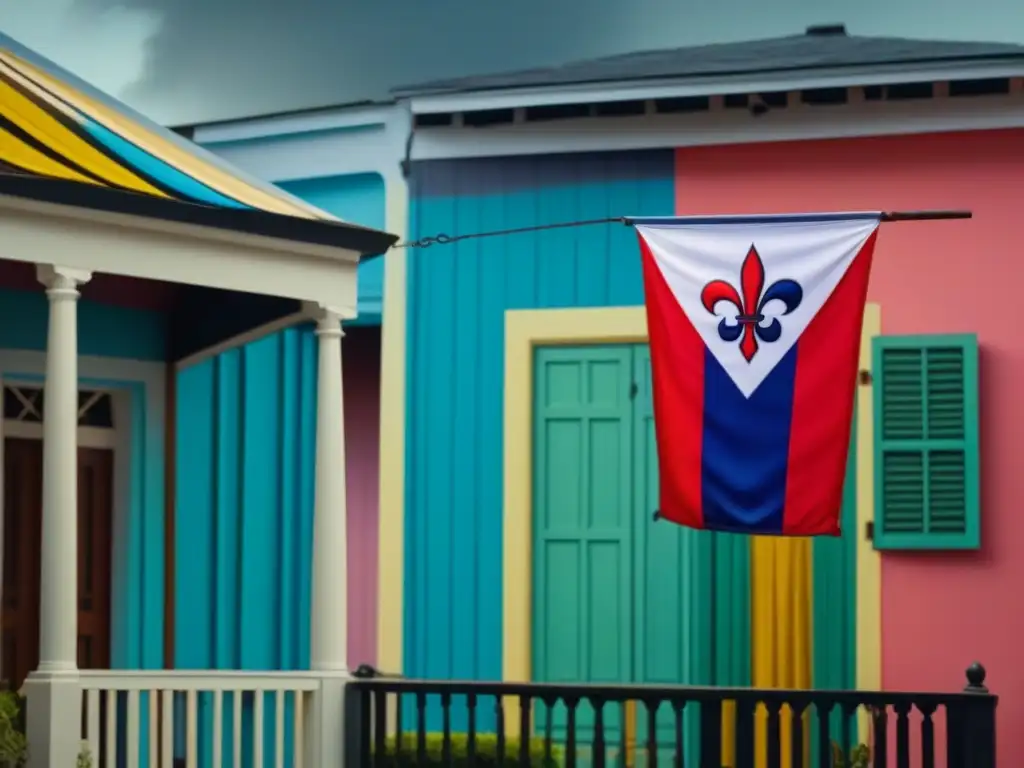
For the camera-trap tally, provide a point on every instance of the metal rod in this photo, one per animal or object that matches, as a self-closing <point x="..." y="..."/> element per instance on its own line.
<point x="925" y="215"/>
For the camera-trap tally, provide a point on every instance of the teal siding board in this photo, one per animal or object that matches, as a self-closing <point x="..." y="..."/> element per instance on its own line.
<point x="358" y="198"/>
<point x="244" y="516"/>
<point x="103" y="330"/>
<point x="457" y="296"/>
<point x="246" y="414"/>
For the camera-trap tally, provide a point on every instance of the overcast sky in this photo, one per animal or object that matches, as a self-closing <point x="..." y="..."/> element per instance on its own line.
<point x="184" y="62"/>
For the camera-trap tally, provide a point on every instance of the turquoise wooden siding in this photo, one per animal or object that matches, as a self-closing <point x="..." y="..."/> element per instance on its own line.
<point x="358" y="198"/>
<point x="620" y="597"/>
<point x="457" y="297"/>
<point x="245" y="439"/>
<point x="103" y="330"/>
<point x="244" y="517"/>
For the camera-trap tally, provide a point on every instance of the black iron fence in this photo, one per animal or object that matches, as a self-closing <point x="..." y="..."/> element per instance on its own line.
<point x="403" y="722"/>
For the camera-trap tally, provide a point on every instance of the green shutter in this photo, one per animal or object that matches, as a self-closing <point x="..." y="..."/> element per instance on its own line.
<point x="926" y="442"/>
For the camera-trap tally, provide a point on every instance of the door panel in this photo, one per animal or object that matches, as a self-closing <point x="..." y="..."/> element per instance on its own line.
<point x="23" y="500"/>
<point x="582" y="555"/>
<point x="95" y="503"/>
<point x="19" y="619"/>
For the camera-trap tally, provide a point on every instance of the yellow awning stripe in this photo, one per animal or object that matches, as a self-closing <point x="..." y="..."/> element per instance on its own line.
<point x="18" y="153"/>
<point x="205" y="173"/>
<point x="49" y="131"/>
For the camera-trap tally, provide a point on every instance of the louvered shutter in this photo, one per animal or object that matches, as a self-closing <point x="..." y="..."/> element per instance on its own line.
<point x="926" y="442"/>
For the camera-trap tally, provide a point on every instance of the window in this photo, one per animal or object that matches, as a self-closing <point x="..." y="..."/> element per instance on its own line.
<point x="28" y="404"/>
<point x="926" y="442"/>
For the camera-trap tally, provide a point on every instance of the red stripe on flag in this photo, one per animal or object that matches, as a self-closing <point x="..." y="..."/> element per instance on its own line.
<point x="677" y="363"/>
<point x="828" y="354"/>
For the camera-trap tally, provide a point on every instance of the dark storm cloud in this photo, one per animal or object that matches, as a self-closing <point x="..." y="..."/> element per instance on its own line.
<point x="221" y="59"/>
<point x="226" y="58"/>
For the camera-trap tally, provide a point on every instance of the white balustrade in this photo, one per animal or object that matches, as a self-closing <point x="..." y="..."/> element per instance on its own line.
<point x="202" y="718"/>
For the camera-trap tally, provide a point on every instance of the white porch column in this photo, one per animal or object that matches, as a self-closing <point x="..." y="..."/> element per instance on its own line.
<point x="329" y="603"/>
<point x="54" y="696"/>
<point x="328" y="631"/>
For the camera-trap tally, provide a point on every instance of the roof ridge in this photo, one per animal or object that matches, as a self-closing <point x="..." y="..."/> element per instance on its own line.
<point x="825" y="43"/>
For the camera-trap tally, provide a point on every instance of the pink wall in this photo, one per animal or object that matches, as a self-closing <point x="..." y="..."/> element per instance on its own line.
<point x="940" y="612"/>
<point x="361" y="366"/>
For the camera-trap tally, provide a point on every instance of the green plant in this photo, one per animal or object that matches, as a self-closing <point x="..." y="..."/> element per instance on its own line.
<point x="13" y="746"/>
<point x="84" y="759"/>
<point x="859" y="756"/>
<point x="486" y="751"/>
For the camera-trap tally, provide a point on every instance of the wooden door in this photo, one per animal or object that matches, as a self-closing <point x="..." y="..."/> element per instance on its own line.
<point x="95" y="502"/>
<point x="19" y="620"/>
<point x="23" y="500"/>
<point x="582" y="566"/>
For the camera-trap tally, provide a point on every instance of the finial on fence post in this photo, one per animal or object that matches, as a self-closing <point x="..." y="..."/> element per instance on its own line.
<point x="975" y="679"/>
<point x="365" y="672"/>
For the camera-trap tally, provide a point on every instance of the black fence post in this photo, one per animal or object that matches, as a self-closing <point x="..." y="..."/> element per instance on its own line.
<point x="357" y="726"/>
<point x="978" y="712"/>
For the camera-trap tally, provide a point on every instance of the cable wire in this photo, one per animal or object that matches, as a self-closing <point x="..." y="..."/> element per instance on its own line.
<point x="443" y="239"/>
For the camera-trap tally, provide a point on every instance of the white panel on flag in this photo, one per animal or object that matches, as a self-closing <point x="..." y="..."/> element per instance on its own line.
<point x="750" y="289"/>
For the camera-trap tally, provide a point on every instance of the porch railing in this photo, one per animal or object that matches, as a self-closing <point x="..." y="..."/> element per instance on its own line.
<point x="424" y="723"/>
<point x="196" y="718"/>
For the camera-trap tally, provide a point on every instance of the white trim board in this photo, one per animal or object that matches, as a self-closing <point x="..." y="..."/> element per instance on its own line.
<point x="286" y="125"/>
<point x="795" y="123"/>
<point x="88" y="437"/>
<point x="18" y="363"/>
<point x="135" y="246"/>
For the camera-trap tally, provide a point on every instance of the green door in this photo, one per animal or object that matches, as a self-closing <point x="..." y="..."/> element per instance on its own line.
<point x="582" y="627"/>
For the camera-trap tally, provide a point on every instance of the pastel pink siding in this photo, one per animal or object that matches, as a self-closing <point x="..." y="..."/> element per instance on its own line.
<point x="940" y="611"/>
<point x="361" y="370"/>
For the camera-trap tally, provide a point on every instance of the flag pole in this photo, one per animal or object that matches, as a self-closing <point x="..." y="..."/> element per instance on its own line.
<point x="925" y="215"/>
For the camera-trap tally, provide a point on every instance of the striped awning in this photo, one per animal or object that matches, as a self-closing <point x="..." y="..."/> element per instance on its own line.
<point x="100" y="154"/>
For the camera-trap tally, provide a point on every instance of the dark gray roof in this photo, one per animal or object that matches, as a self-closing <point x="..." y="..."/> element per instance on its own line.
<point x="823" y="47"/>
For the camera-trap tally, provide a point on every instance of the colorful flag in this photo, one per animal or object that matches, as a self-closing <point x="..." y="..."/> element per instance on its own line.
<point x="755" y="326"/>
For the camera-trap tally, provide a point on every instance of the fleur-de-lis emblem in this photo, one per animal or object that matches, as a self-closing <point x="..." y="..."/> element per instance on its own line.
<point x="755" y="316"/>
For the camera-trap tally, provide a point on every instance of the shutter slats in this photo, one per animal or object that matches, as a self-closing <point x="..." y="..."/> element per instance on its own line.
<point x="926" y="443"/>
<point x="947" y="495"/>
<point x="945" y="376"/>
<point x="903" y="489"/>
<point x="903" y="418"/>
